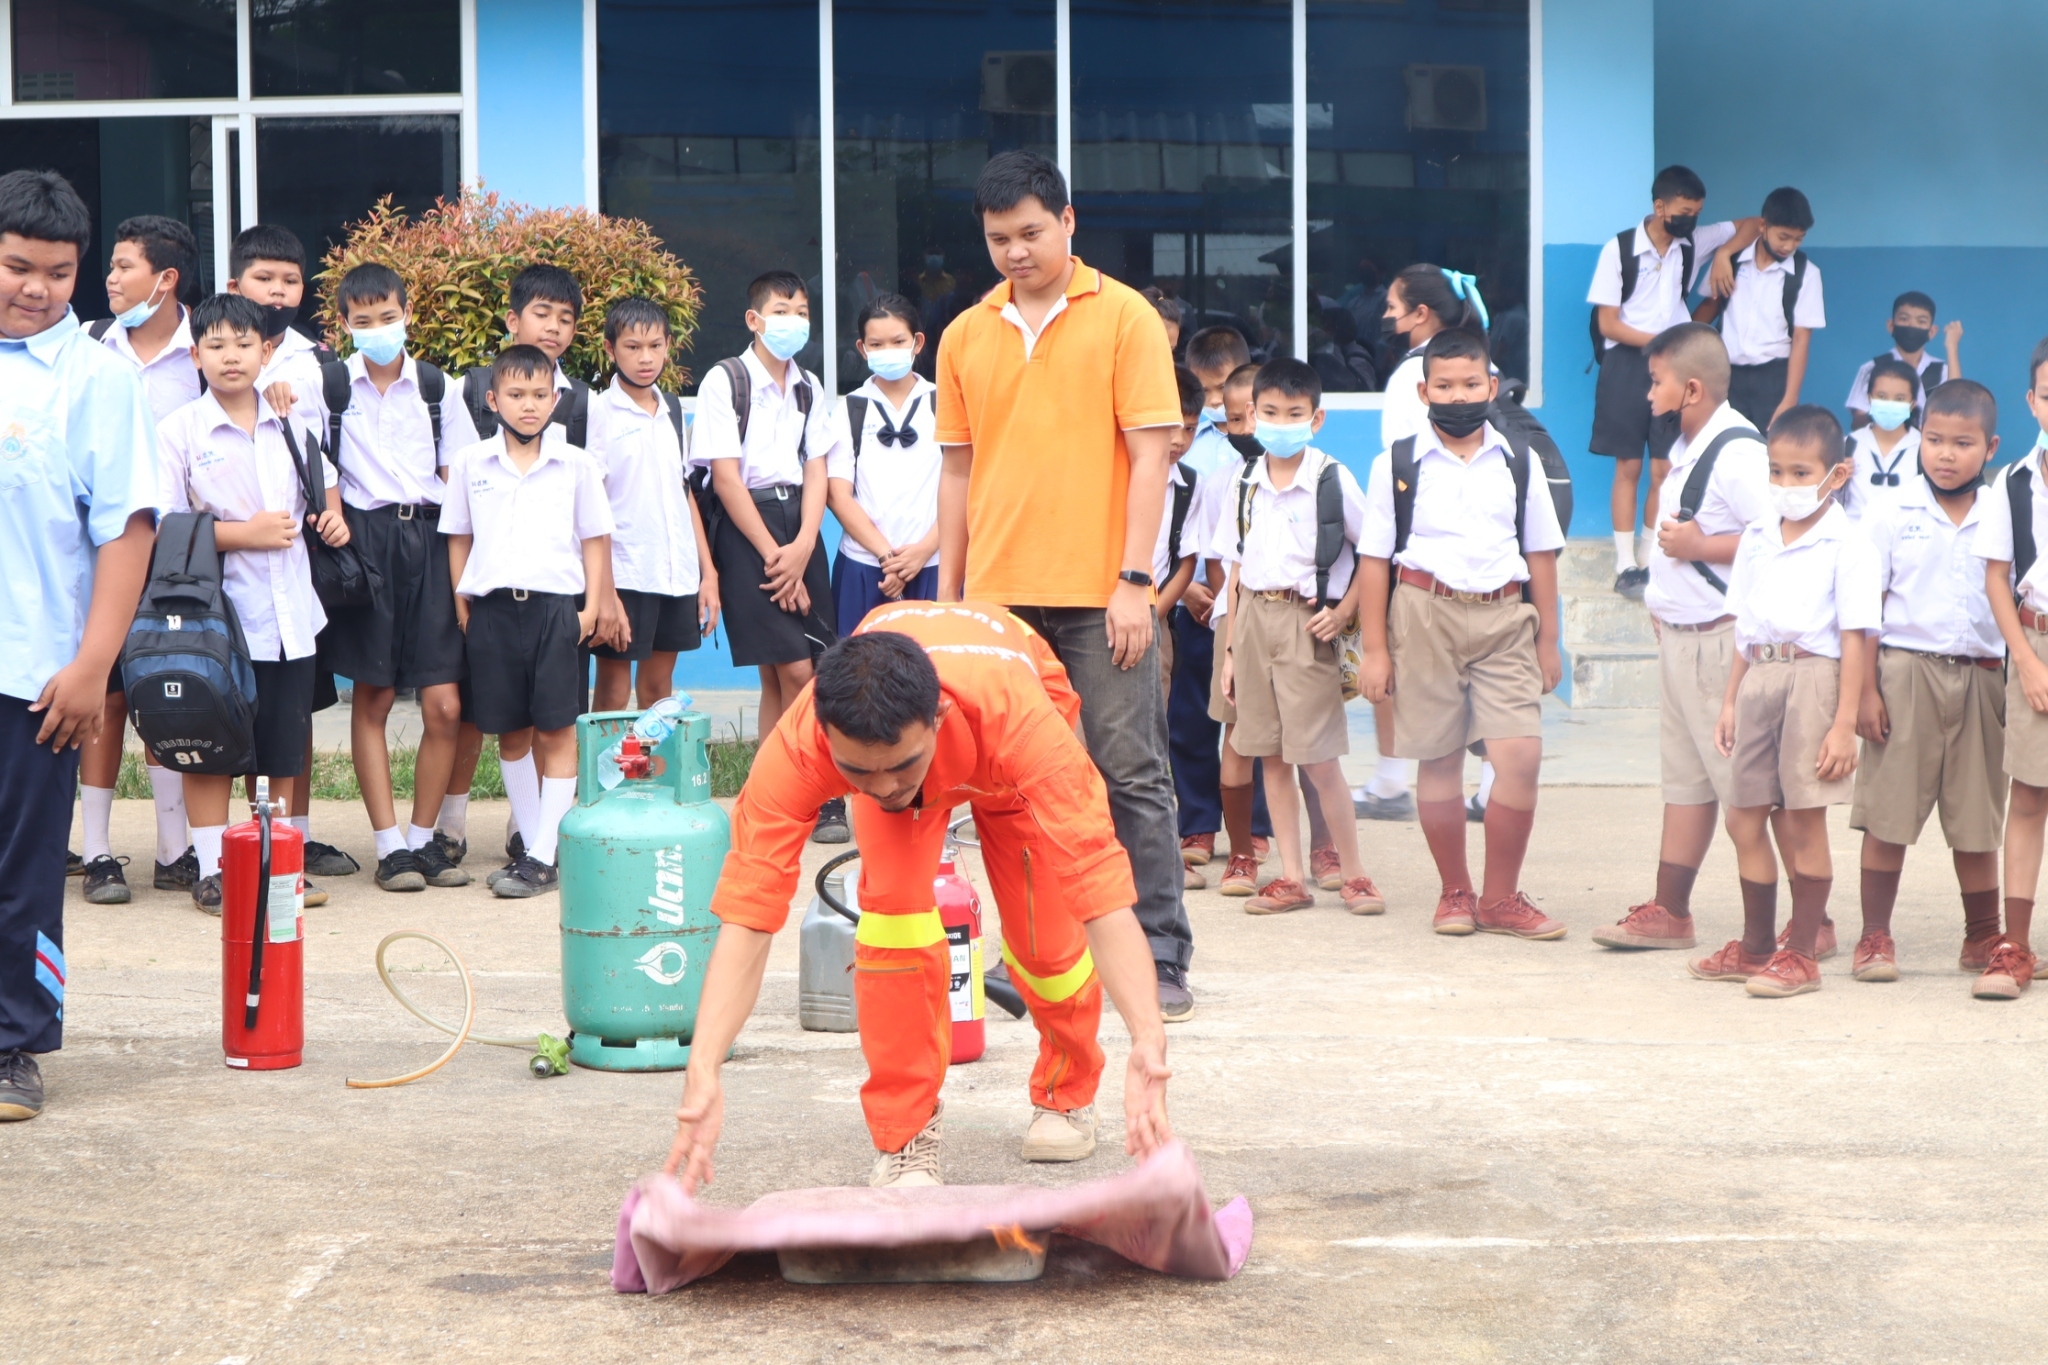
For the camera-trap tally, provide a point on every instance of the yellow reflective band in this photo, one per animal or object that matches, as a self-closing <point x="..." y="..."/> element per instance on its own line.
<point x="920" y="930"/>
<point x="1053" y="989"/>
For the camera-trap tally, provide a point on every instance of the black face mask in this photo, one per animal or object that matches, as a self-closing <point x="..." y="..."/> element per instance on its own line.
<point x="1391" y="330"/>
<point x="1766" y="245"/>
<point x="1246" y="444"/>
<point x="1458" y="419"/>
<point x="277" y="317"/>
<point x="1681" y="224"/>
<point x="1910" y="339"/>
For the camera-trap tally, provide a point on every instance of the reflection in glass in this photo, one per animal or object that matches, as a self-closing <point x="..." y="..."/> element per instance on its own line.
<point x="1182" y="134"/>
<point x="356" y="47"/>
<point x="318" y="175"/>
<point x="123" y="49"/>
<point x="708" y="131"/>
<point x="1418" y="134"/>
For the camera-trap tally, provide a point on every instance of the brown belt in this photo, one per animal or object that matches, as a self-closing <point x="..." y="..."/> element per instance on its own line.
<point x="1779" y="654"/>
<point x="1428" y="582"/>
<point x="2034" y="620"/>
<point x="1699" y="628"/>
<point x="1972" y="660"/>
<point x="1282" y="595"/>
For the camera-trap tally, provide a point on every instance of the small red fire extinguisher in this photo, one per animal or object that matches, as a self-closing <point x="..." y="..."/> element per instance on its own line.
<point x="960" y="912"/>
<point x="262" y="953"/>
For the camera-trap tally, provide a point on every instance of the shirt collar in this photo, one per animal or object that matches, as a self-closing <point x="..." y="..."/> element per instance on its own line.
<point x="1920" y="494"/>
<point x="872" y="392"/>
<point x="780" y="383"/>
<point x="1305" y="474"/>
<point x="1724" y="417"/>
<point x="1646" y="247"/>
<point x="181" y="339"/>
<point x="359" y="368"/>
<point x="215" y="416"/>
<point x="1489" y="439"/>
<point x="553" y="441"/>
<point x="46" y="344"/>
<point x="1086" y="279"/>
<point x="615" y="394"/>
<point x="1832" y="525"/>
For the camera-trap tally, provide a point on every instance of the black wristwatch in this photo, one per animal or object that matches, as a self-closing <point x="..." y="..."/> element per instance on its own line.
<point x="1138" y="576"/>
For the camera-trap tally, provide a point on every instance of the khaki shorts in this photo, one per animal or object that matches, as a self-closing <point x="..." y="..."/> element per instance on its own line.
<point x="1782" y="713"/>
<point x="1462" y="671"/>
<point x="2026" y="730"/>
<point x="1947" y="748"/>
<point x="1220" y="708"/>
<point x="1692" y="683"/>
<point x="1290" y="701"/>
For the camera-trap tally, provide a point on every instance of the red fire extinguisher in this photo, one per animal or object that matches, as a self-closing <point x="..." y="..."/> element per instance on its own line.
<point x="263" y="970"/>
<point x="960" y="912"/>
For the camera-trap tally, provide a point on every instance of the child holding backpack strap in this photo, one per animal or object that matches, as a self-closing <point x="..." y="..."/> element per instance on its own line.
<point x="883" y="477"/>
<point x="1768" y="303"/>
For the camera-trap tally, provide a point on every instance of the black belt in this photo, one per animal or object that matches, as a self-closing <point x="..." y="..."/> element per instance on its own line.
<point x="529" y="595"/>
<point x="1960" y="660"/>
<point x="405" y="511"/>
<point x="775" y="493"/>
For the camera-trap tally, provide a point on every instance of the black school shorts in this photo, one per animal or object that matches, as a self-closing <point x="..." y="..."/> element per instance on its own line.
<point x="524" y="666"/>
<point x="758" y="631"/>
<point x="407" y="635"/>
<point x="1623" y="425"/>
<point x="284" y="715"/>
<point x="661" y="624"/>
<point x="1756" y="390"/>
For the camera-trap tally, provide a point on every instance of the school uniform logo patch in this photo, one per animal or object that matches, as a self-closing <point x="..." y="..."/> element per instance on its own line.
<point x="14" y="443"/>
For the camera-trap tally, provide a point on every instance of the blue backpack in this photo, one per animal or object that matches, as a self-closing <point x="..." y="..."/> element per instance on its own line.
<point x="185" y="665"/>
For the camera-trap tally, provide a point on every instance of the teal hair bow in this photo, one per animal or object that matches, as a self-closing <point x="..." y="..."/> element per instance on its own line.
<point x="1466" y="287"/>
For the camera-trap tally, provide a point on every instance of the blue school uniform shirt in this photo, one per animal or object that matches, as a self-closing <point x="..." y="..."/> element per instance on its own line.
<point x="77" y="459"/>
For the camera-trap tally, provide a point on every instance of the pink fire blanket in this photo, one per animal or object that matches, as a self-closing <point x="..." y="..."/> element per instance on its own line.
<point x="1156" y="1215"/>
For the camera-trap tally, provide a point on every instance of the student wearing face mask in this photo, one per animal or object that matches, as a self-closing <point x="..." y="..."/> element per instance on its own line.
<point x="1422" y="301"/>
<point x="1886" y="452"/>
<point x="1767" y="302"/>
<point x="1912" y="328"/>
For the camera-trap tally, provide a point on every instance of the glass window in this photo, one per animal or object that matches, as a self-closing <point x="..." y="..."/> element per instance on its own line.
<point x="123" y="49"/>
<point x="318" y="175"/>
<point x="356" y="47"/>
<point x="1418" y="129"/>
<point x="1182" y="139"/>
<point x="912" y="136"/>
<point x="708" y="131"/>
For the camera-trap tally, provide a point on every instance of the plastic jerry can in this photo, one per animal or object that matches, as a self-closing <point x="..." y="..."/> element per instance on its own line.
<point x="824" y="981"/>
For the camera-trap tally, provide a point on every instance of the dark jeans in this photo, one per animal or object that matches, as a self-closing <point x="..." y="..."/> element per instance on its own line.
<point x="1195" y="741"/>
<point x="1123" y="718"/>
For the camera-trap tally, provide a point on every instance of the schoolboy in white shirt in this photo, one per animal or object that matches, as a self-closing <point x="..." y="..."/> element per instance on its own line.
<point x="882" y="476"/>
<point x="528" y="523"/>
<point x="229" y="454"/>
<point x="1803" y="590"/>
<point x="661" y="562"/>
<point x="1932" y="717"/>
<point x="1912" y="327"/>
<point x="1886" y="449"/>
<point x="1773" y="307"/>
<point x="1459" y="650"/>
<point x="1214" y="356"/>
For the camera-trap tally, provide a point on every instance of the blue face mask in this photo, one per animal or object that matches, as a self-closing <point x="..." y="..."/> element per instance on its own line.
<point x="1215" y="417"/>
<point x="889" y="364"/>
<point x="1283" y="441"/>
<point x="144" y="311"/>
<point x="379" y="345"/>
<point x="785" y="334"/>
<point x="1889" y="414"/>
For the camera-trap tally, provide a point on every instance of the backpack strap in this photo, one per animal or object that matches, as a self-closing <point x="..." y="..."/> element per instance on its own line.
<point x="2019" y="494"/>
<point x="1631" y="268"/>
<point x="1404" y="472"/>
<point x="1793" y="283"/>
<point x="335" y="386"/>
<point x="735" y="371"/>
<point x="98" y="330"/>
<point x="856" y="423"/>
<point x="576" y="420"/>
<point x="806" y="395"/>
<point x="433" y="388"/>
<point x="316" y="496"/>
<point x="1695" y="492"/>
<point x="675" y="419"/>
<point x="1244" y="503"/>
<point x="1329" y="528"/>
<point x="1177" y="515"/>
<point x="1685" y="258"/>
<point x="475" y="385"/>
<point x="1931" y="377"/>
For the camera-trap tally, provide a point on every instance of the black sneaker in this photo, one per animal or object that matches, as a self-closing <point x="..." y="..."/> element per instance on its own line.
<point x="399" y="871"/>
<point x="1631" y="582"/>
<point x="1475" y="810"/>
<point x="21" y="1087"/>
<point x="181" y="875"/>
<point x="456" y="849"/>
<point x="515" y="848"/>
<point x="206" y="894"/>
<point x="1373" y="807"/>
<point x="105" y="883"/>
<point x="527" y="877"/>
<point x="498" y="874"/>
<point x="74" y="866"/>
<point x="1176" y="1001"/>
<point x="325" y="860"/>
<point x="434" y="864"/>
<point x="831" y="827"/>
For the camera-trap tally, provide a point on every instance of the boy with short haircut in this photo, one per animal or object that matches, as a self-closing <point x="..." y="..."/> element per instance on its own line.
<point x="1460" y="628"/>
<point x="1174" y="557"/>
<point x="1932" y="715"/>
<point x="229" y="454"/>
<point x="1215" y="356"/>
<point x="882" y="476"/>
<point x="1769" y="310"/>
<point x="76" y="526"/>
<point x="661" y="562"/>
<point x="1719" y="482"/>
<point x="1911" y="326"/>
<point x="1280" y="667"/>
<point x="528" y="526"/>
<point x="1803" y="590"/>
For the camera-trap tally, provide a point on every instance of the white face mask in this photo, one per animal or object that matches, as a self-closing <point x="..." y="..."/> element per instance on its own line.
<point x="1796" y="504"/>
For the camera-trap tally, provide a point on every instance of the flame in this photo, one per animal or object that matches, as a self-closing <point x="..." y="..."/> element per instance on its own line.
<point x="1014" y="1238"/>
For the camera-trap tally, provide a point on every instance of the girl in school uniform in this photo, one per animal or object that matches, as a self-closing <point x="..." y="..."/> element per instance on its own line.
<point x="1887" y="452"/>
<point x="1422" y="301"/>
<point x="882" y="475"/>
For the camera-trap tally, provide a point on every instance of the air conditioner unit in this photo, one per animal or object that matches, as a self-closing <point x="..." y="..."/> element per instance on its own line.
<point x="1447" y="98"/>
<point x="1018" y="83"/>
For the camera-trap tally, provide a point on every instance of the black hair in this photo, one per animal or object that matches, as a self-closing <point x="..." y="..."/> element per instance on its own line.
<point x="1964" y="398"/>
<point x="1221" y="344"/>
<point x="1246" y="373"/>
<point x="1190" y="391"/>
<point x="1694" y="351"/>
<point x="1807" y="424"/>
<point x="1895" y="369"/>
<point x="1291" y="379"/>
<point x="1913" y="298"/>
<point x="1454" y="343"/>
<point x="1678" y="182"/>
<point x="233" y="311"/>
<point x="1011" y="177"/>
<point x="167" y="244"/>
<point x="42" y="206"/>
<point x="1424" y="286"/>
<point x="547" y="283"/>
<point x="634" y="312"/>
<point x="1786" y="207"/>
<point x="521" y="362"/>
<point x="776" y="284"/>
<point x="370" y="282"/>
<point x="2036" y="361"/>
<point x="888" y="306"/>
<point x="1169" y="310"/>
<point x="871" y="685"/>
<point x="264" y="242"/>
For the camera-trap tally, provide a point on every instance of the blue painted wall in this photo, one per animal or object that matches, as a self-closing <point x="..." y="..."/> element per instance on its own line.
<point x="529" y="99"/>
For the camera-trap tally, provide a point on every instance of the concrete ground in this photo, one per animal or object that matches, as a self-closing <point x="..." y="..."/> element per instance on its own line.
<point x="1456" y="1149"/>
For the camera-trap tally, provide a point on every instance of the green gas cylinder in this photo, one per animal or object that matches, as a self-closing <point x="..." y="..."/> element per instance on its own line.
<point x="638" y="862"/>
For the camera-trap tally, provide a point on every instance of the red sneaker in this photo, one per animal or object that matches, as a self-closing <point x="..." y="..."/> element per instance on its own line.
<point x="1517" y="916"/>
<point x="1240" y="876"/>
<point x="1361" y="897"/>
<point x="1191" y="879"/>
<point x="1648" y="925"/>
<point x="1787" y="973"/>
<point x="1454" y="911"/>
<point x="1279" y="896"/>
<point x="1262" y="847"/>
<point x="1877" y="958"/>
<point x="1197" y="849"/>
<point x="1326" y="868"/>
<point x="1976" y="954"/>
<point x="1824" y="945"/>
<point x="2007" y="975"/>
<point x="1730" y="964"/>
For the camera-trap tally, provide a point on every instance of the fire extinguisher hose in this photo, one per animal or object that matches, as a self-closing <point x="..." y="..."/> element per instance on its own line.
<point x="462" y="1034"/>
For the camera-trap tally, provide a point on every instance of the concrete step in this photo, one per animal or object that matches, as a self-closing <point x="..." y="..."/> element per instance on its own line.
<point x="1611" y="679"/>
<point x="1586" y="566"/>
<point x="1600" y="621"/>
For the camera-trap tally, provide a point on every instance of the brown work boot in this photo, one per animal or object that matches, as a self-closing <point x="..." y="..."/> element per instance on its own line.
<point x="917" y="1163"/>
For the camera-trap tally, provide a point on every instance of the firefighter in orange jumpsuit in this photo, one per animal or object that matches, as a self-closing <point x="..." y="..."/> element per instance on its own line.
<point x="926" y="707"/>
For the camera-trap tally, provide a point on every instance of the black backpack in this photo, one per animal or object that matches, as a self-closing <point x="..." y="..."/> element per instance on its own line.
<point x="1795" y="280"/>
<point x="335" y="386"/>
<point x="2019" y="495"/>
<point x="1930" y="378"/>
<point x="1407" y="473"/>
<point x="735" y="371"/>
<point x="1625" y="242"/>
<point x="574" y="416"/>
<point x="1695" y="491"/>
<point x="1522" y="428"/>
<point x="185" y="665"/>
<point x="1329" y="521"/>
<point x="1177" y="515"/>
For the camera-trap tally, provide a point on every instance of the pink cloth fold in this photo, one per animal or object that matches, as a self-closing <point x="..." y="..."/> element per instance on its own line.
<point x="1156" y="1215"/>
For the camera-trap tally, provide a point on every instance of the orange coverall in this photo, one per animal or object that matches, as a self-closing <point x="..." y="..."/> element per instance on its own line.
<point x="1008" y="750"/>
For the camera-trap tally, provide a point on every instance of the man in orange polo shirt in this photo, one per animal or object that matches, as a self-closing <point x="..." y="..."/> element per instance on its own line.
<point x="1055" y="406"/>
<point x="923" y="708"/>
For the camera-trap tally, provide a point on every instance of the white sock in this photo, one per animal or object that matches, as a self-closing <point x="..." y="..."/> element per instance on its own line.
<point x="168" y="790"/>
<point x="454" y="817"/>
<point x="99" y="813"/>
<point x="522" y="789"/>
<point x="1624" y="551"/>
<point x="1645" y="542"/>
<point x="304" y="825"/>
<point x="557" y="795"/>
<point x="417" y="838"/>
<point x="1485" y="781"/>
<point x="389" y="841"/>
<point x="1389" y="779"/>
<point x="206" y="841"/>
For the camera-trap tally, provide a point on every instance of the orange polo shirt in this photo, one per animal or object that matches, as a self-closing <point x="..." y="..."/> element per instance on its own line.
<point x="1046" y="501"/>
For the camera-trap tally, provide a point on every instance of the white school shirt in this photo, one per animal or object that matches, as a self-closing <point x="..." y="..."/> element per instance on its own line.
<point x="1210" y="451"/>
<point x="458" y="428"/>
<point x="1659" y="298"/>
<point x="1215" y="497"/>
<point x="1903" y="464"/>
<point x="1806" y="593"/>
<point x="387" y="452"/>
<point x="1280" y="538"/>
<point x="1753" y="323"/>
<point x="1738" y="493"/>
<point x="1859" y="392"/>
<point x="644" y="463"/>
<point x="1464" y="527"/>
<point x="1931" y="577"/>
<point x="171" y="377"/>
<point x="1162" y="549"/>
<point x="208" y="464"/>
<point x="296" y="361"/>
<point x="896" y="485"/>
<point x="1404" y="412"/>
<point x="1994" y="536"/>
<point x="774" y="428"/>
<point x="526" y="530"/>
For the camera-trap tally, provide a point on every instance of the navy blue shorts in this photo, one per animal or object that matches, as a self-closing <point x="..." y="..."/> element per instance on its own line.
<point x="37" y="789"/>
<point x="857" y="589"/>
